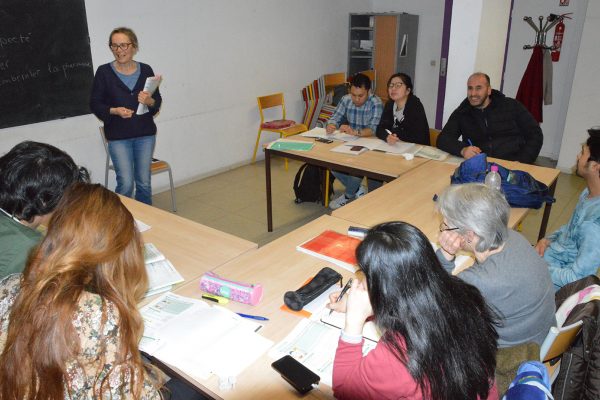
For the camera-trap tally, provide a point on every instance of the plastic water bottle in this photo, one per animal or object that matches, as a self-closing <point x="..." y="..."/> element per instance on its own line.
<point x="493" y="179"/>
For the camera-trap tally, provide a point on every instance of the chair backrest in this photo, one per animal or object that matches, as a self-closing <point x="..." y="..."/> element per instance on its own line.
<point x="269" y="101"/>
<point x="330" y="81"/>
<point x="370" y="73"/>
<point x="433" y="135"/>
<point x="559" y="340"/>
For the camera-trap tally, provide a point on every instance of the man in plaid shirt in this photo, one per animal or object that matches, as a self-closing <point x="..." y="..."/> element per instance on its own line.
<point x="358" y="114"/>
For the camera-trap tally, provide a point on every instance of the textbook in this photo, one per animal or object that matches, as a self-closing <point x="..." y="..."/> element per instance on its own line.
<point x="373" y="143"/>
<point x="338" y="320"/>
<point x="334" y="247"/>
<point x="162" y="275"/>
<point x="297" y="145"/>
<point x="353" y="150"/>
<point x="198" y="338"/>
<point x="322" y="133"/>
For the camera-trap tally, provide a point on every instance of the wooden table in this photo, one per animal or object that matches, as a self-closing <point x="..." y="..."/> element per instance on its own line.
<point x="410" y="198"/>
<point x="279" y="267"/>
<point x="372" y="164"/>
<point x="191" y="247"/>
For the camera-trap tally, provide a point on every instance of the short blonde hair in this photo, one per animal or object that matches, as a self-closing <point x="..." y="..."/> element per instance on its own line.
<point x="127" y="32"/>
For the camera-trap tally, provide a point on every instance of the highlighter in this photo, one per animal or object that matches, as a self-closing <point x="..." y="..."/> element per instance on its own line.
<point x="216" y="299"/>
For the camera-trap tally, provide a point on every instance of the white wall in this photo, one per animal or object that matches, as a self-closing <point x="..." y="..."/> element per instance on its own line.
<point x="521" y="33"/>
<point x="585" y="103"/>
<point x="462" y="52"/>
<point x="216" y="57"/>
<point x="429" y="44"/>
<point x="492" y="39"/>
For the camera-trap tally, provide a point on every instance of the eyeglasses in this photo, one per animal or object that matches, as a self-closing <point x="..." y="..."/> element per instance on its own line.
<point x="444" y="227"/>
<point x="396" y="85"/>
<point x="122" y="46"/>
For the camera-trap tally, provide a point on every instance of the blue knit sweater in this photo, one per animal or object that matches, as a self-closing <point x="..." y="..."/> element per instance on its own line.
<point x="109" y="91"/>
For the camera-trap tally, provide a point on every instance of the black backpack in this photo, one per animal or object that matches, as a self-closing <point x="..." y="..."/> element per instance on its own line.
<point x="309" y="183"/>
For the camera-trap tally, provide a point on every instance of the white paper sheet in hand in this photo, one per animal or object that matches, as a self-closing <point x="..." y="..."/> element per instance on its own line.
<point x="150" y="86"/>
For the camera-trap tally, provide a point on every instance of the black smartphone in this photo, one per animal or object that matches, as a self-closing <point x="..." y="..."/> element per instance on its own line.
<point x="296" y="374"/>
<point x="323" y="140"/>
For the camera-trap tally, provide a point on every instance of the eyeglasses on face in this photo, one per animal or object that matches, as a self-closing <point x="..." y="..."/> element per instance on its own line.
<point x="444" y="227"/>
<point x="396" y="85"/>
<point x="122" y="46"/>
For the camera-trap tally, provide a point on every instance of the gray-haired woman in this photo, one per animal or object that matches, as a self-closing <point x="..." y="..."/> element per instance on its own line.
<point x="512" y="277"/>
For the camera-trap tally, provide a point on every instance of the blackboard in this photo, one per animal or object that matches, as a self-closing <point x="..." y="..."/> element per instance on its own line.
<point x="46" y="67"/>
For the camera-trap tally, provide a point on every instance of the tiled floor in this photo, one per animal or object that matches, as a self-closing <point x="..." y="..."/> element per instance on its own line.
<point x="235" y="202"/>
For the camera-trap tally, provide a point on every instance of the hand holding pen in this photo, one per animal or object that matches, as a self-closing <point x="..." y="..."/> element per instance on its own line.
<point x="470" y="150"/>
<point x="335" y="299"/>
<point x="391" y="138"/>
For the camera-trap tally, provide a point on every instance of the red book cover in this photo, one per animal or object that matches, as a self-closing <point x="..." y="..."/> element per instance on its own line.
<point x="334" y="247"/>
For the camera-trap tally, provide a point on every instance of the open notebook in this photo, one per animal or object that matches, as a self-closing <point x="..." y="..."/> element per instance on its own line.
<point x="198" y="338"/>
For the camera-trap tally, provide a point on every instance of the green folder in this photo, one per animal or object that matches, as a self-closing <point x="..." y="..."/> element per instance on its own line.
<point x="296" y="146"/>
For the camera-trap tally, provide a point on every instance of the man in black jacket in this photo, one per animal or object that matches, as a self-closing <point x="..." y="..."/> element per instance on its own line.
<point x="491" y="123"/>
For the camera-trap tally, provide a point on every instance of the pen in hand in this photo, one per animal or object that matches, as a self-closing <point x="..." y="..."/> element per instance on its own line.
<point x="342" y="293"/>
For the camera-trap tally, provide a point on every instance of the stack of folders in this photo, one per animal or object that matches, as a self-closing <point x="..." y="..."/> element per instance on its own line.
<point x="162" y="275"/>
<point x="200" y="339"/>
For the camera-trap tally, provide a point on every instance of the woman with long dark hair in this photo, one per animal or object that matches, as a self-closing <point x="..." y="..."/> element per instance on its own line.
<point x="438" y="335"/>
<point x="69" y="326"/>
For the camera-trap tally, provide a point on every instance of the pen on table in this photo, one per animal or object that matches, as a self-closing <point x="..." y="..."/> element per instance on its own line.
<point x="257" y="317"/>
<point x="216" y="299"/>
<point x="342" y="293"/>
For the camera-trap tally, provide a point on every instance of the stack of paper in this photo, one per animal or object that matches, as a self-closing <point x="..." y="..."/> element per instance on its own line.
<point x="314" y="344"/>
<point x="150" y="86"/>
<point x="334" y="247"/>
<point x="200" y="339"/>
<point x="162" y="275"/>
<point x="322" y="133"/>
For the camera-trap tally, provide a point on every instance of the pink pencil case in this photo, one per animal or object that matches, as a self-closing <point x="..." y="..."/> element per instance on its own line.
<point x="236" y="291"/>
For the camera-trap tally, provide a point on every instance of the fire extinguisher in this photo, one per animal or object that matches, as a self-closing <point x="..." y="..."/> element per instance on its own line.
<point x="559" y="33"/>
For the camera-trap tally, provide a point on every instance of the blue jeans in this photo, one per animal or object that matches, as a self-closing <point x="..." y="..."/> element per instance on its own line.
<point x="131" y="159"/>
<point x="352" y="183"/>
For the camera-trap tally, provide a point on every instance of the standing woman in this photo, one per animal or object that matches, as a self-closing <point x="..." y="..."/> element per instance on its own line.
<point x="439" y="338"/>
<point x="403" y="114"/>
<point x="117" y="90"/>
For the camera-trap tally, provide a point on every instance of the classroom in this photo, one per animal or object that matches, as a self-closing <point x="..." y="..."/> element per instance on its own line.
<point x="217" y="57"/>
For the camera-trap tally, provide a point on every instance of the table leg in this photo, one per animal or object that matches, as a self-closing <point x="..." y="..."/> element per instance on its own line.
<point x="268" y="188"/>
<point x="326" y="200"/>
<point x="547" y="209"/>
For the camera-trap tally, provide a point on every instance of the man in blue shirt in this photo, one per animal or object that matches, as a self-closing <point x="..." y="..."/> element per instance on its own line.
<point x="573" y="252"/>
<point x="357" y="114"/>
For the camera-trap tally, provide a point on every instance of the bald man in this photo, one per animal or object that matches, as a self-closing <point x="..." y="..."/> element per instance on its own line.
<point x="492" y="123"/>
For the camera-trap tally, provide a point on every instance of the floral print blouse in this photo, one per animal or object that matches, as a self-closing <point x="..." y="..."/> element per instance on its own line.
<point x="85" y="373"/>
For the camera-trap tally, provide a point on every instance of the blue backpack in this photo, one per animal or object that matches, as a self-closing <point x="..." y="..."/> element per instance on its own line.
<point x="519" y="187"/>
<point x="531" y="383"/>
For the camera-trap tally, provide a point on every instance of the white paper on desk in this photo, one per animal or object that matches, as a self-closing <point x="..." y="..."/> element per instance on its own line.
<point x="141" y="226"/>
<point x="314" y="344"/>
<point x="152" y="254"/>
<point x="150" y="86"/>
<point x="338" y="320"/>
<point x="345" y="149"/>
<point x="161" y="274"/>
<point x="319" y="304"/>
<point x="322" y="133"/>
<point x="201" y="339"/>
<point x="399" y="147"/>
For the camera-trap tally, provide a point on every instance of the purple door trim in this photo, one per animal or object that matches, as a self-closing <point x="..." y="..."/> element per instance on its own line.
<point x="439" y="112"/>
<point x="512" y="5"/>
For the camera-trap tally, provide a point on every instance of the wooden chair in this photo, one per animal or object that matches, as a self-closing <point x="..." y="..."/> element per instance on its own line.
<point x="284" y="127"/>
<point x="372" y="75"/>
<point x="557" y="342"/>
<point x="156" y="167"/>
<point x="332" y="80"/>
<point x="433" y="135"/>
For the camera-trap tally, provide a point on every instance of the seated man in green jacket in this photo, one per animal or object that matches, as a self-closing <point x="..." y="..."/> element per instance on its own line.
<point x="33" y="177"/>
